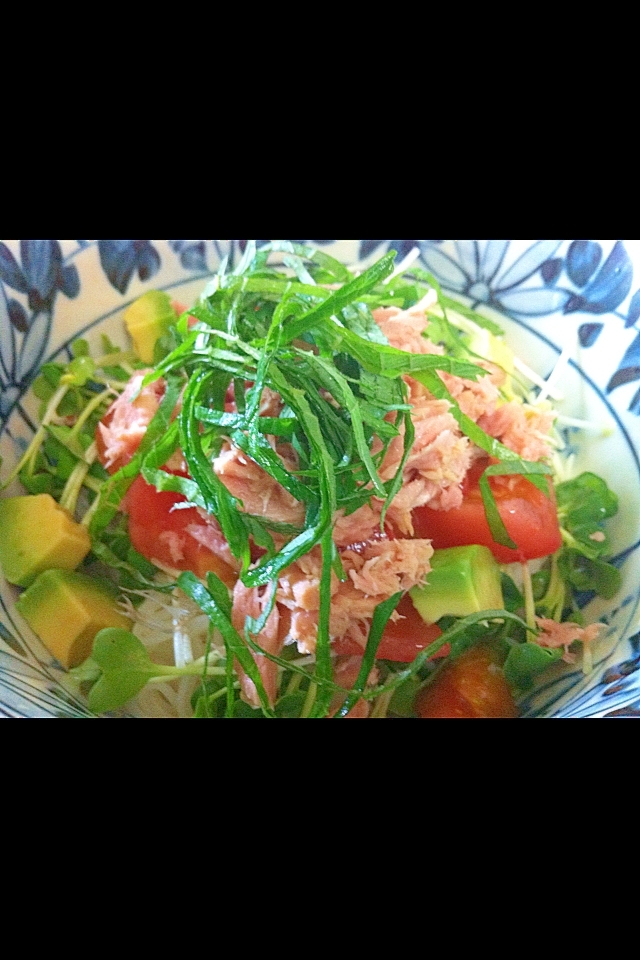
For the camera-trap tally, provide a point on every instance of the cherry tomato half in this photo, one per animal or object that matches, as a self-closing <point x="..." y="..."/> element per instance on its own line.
<point x="472" y="687"/>
<point x="159" y="532"/>
<point x="401" y="641"/>
<point x="530" y="517"/>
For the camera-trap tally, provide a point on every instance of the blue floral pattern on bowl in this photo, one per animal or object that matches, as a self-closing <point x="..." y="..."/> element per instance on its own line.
<point x="580" y="297"/>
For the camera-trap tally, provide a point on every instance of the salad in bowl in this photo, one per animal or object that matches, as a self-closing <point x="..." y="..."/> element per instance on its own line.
<point x="319" y="479"/>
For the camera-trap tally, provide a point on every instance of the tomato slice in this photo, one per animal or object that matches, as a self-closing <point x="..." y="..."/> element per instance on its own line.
<point x="472" y="687"/>
<point x="401" y="641"/>
<point x="160" y="532"/>
<point x="530" y="517"/>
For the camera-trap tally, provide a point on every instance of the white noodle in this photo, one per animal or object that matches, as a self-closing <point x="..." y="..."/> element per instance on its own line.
<point x="535" y="378"/>
<point x="556" y="373"/>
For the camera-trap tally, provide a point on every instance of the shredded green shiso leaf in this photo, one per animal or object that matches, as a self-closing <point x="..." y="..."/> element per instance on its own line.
<point x="306" y="333"/>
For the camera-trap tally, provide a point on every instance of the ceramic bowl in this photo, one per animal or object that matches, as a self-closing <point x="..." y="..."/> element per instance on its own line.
<point x="575" y="299"/>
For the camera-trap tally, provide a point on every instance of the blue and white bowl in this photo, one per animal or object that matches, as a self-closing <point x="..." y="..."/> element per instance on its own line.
<point x="579" y="299"/>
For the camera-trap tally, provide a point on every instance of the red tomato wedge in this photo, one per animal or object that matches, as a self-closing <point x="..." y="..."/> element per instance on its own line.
<point x="159" y="532"/>
<point x="530" y="517"/>
<point x="402" y="641"/>
<point x="472" y="687"/>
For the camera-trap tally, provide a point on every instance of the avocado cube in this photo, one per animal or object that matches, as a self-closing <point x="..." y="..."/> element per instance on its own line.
<point x="66" y="610"/>
<point x="36" y="534"/>
<point x="147" y="319"/>
<point x="463" y="580"/>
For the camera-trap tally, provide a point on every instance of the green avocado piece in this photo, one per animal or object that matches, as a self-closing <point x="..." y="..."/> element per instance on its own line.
<point x="463" y="580"/>
<point x="66" y="610"/>
<point x="147" y="319"/>
<point x="36" y="533"/>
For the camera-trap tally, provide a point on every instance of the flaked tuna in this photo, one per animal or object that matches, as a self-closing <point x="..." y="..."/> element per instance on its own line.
<point x="376" y="570"/>
<point x="555" y="635"/>
<point x="251" y="602"/>
<point x="404" y="329"/>
<point x="437" y="465"/>
<point x="260" y="494"/>
<point x="120" y="432"/>
<point x="521" y="427"/>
